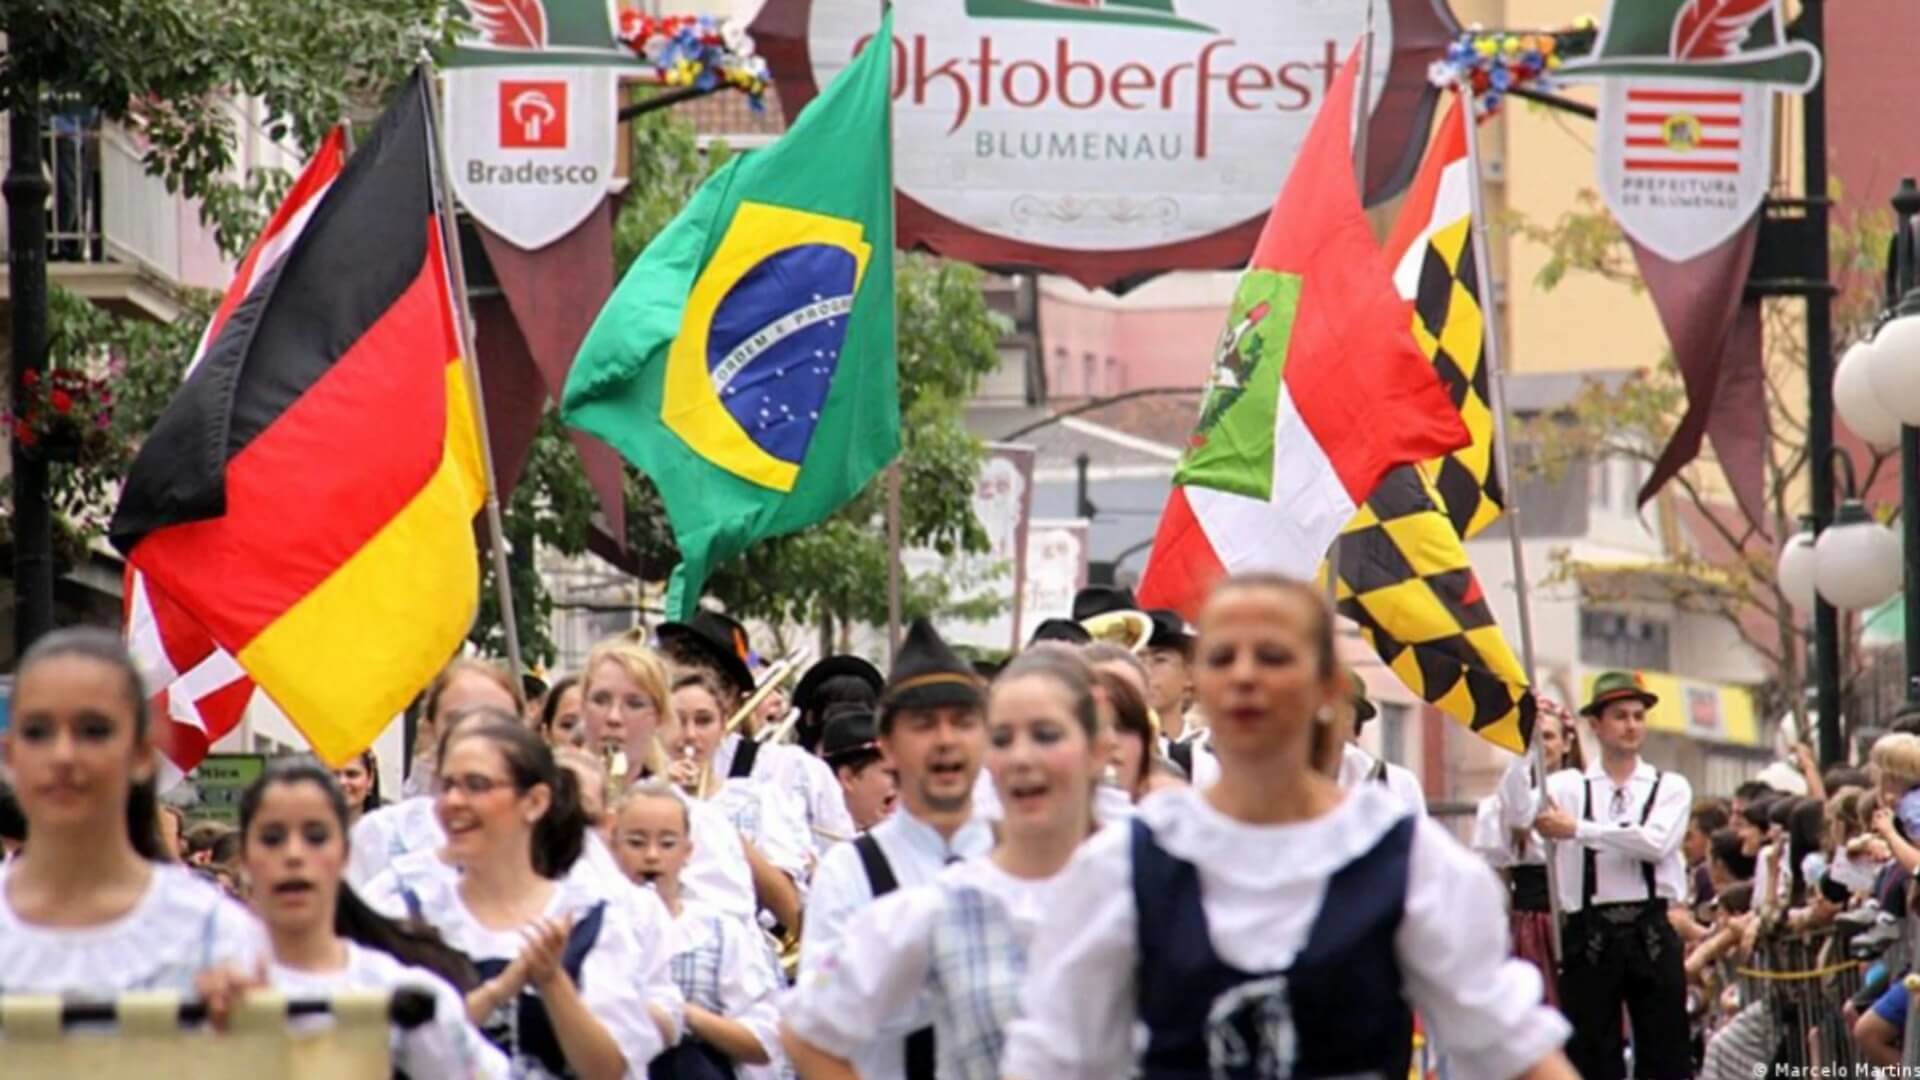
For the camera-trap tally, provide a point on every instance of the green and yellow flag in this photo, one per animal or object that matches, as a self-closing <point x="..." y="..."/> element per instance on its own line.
<point x="746" y="362"/>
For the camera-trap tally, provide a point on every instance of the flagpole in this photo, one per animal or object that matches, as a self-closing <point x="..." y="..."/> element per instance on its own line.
<point x="1363" y="113"/>
<point x="1503" y="464"/>
<point x="893" y="471"/>
<point x="470" y="361"/>
<point x="1363" y="103"/>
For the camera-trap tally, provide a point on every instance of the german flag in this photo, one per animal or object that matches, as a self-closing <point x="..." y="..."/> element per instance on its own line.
<point x="308" y="496"/>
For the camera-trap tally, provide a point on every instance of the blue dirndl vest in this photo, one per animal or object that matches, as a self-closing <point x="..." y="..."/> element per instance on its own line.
<point x="1336" y="1012"/>
<point x="528" y="1035"/>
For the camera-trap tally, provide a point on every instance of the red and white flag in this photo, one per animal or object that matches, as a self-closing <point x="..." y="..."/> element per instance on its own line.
<point x="200" y="692"/>
<point x="1674" y="130"/>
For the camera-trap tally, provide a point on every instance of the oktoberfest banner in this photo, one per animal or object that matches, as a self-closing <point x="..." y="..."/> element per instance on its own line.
<point x="1110" y="139"/>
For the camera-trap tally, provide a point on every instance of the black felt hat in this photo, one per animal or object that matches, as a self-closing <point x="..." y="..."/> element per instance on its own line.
<point x="1169" y="631"/>
<point x="1100" y="599"/>
<point x="851" y="733"/>
<point x="715" y="638"/>
<point x="1061" y="630"/>
<point x="834" y="667"/>
<point x="928" y="674"/>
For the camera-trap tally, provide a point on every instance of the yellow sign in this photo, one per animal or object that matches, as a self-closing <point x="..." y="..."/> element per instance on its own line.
<point x="1691" y="707"/>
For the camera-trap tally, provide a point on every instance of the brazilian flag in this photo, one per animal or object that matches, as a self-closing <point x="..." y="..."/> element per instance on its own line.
<point x="746" y="362"/>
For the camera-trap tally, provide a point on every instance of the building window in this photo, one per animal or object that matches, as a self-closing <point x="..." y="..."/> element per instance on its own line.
<point x="1609" y="639"/>
<point x="1089" y="373"/>
<point x="1116" y="379"/>
<point x="1393" y="732"/>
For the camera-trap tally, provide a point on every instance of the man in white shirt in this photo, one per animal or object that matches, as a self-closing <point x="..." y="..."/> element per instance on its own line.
<point x="1616" y="877"/>
<point x="1169" y="659"/>
<point x="932" y="729"/>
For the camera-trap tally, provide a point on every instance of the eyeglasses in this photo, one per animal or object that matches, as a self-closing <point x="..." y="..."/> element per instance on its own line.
<point x="474" y="784"/>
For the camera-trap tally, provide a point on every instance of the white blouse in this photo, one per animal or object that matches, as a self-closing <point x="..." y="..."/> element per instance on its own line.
<point x="1262" y="887"/>
<point x="383" y="835"/>
<point x="628" y="968"/>
<point x="873" y="984"/>
<point x="183" y="926"/>
<point x="772" y="824"/>
<point x="745" y="987"/>
<point x="446" y="1046"/>
<point x="801" y="779"/>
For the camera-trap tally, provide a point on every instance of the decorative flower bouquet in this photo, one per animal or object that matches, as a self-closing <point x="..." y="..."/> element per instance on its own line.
<point x="64" y="415"/>
<point x="698" y="51"/>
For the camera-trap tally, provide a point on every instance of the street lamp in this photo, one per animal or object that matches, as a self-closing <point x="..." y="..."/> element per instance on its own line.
<point x="1857" y="399"/>
<point x="1853" y="564"/>
<point x="1857" y="559"/>
<point x="1894" y="369"/>
<point x="1795" y="573"/>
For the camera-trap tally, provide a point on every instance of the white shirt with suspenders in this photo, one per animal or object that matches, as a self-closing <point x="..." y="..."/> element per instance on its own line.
<point x="914" y="853"/>
<point x="1629" y="836"/>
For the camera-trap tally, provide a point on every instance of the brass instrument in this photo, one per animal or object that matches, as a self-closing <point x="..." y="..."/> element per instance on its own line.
<point x="776" y="677"/>
<point x="614" y="760"/>
<point x="781" y="732"/>
<point x="1131" y="630"/>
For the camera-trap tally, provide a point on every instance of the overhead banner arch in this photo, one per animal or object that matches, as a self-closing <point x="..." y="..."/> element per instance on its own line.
<point x="1110" y="140"/>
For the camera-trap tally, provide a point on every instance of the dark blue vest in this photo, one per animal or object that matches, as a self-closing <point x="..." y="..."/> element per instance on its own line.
<point x="1337" y="1012"/>
<point x="531" y="1034"/>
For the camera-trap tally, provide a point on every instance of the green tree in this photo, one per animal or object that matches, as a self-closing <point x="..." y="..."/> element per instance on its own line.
<point x="175" y="71"/>
<point x="175" y="68"/>
<point x="1730" y="572"/>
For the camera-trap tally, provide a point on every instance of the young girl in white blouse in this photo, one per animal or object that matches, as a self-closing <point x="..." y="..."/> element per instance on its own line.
<point x="293" y="832"/>
<point x="1273" y="925"/>
<point x="963" y="940"/>
<point x="627" y="689"/>
<point x="383" y="836"/>
<point x="89" y="909"/>
<point x="576" y="983"/>
<point x="770" y="825"/>
<point x="721" y="966"/>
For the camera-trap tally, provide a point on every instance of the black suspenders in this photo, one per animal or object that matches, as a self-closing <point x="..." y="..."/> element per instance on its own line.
<point x="920" y="1054"/>
<point x="1589" y="873"/>
<point x="743" y="758"/>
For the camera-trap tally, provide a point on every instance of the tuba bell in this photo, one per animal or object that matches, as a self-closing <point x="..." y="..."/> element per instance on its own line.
<point x="1131" y="630"/>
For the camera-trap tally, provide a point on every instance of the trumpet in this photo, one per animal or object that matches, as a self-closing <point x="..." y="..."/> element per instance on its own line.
<point x="1131" y="630"/>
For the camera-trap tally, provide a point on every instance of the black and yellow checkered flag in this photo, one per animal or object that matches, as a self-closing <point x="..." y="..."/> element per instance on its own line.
<point x="1404" y="576"/>
<point x="1406" y="581"/>
<point x="1448" y="324"/>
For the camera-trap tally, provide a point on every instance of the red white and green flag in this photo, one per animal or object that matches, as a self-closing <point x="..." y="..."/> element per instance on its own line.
<point x="1318" y="388"/>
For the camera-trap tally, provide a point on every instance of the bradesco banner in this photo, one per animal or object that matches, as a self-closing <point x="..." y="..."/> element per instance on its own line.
<point x="1110" y="139"/>
<point x="531" y="149"/>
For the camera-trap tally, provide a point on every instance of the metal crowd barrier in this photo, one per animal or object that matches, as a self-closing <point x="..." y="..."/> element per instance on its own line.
<point x="160" y="1036"/>
<point x="1804" y="980"/>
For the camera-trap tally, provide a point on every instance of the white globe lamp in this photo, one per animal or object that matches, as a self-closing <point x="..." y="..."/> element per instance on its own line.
<point x="1857" y="560"/>
<point x="1795" y="572"/>
<point x="1894" y="369"/>
<point x="1859" y="406"/>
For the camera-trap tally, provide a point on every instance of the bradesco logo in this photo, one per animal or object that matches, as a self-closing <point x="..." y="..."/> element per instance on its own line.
<point x="533" y="115"/>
